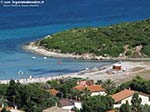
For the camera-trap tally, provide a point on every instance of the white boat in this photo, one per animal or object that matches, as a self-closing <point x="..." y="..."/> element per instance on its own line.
<point x="33" y="57"/>
<point x="45" y="58"/>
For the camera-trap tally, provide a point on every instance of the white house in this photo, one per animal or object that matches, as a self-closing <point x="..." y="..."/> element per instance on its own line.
<point x="126" y="96"/>
<point x="78" y="105"/>
<point x="68" y="104"/>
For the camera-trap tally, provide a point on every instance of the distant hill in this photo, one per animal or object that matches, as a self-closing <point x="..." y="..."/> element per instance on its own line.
<point x="130" y="39"/>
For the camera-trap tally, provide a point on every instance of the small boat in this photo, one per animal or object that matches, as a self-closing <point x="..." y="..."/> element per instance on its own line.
<point x="44" y="58"/>
<point x="86" y="68"/>
<point x="59" y="62"/>
<point x="20" y="72"/>
<point x="33" y="57"/>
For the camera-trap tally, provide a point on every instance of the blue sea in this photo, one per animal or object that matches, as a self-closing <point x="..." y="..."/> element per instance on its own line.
<point x="19" y="25"/>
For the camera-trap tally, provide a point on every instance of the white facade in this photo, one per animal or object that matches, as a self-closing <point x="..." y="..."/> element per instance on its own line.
<point x="68" y="107"/>
<point x="103" y="93"/>
<point x="78" y="105"/>
<point x="145" y="100"/>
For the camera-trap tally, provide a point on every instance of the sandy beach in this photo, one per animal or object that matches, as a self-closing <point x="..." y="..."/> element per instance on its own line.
<point x="129" y="71"/>
<point x="50" y="53"/>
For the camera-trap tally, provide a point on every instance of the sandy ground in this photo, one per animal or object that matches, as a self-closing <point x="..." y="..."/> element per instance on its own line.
<point x="32" y="48"/>
<point x="87" y="56"/>
<point x="132" y="69"/>
<point x="50" y="53"/>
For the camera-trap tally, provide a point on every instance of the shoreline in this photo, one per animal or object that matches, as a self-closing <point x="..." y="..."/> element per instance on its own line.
<point x="128" y="72"/>
<point x="44" y="79"/>
<point x="142" y="68"/>
<point x="41" y="51"/>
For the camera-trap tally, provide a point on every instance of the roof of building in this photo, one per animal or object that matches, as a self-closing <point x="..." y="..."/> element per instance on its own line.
<point x="11" y="109"/>
<point x="117" y="64"/>
<point x="92" y="88"/>
<point x="66" y="102"/>
<point x="122" y="95"/>
<point x="7" y="108"/>
<point x="111" y="111"/>
<point x="55" y="109"/>
<point x="53" y="92"/>
<point x="14" y="110"/>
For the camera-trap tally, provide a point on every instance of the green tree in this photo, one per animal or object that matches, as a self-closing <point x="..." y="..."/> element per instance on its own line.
<point x="104" y="41"/>
<point x="125" y="108"/>
<point x="14" y="92"/>
<point x="86" y="93"/>
<point x="109" y="85"/>
<point x="97" y="104"/>
<point x="53" y="83"/>
<point x="30" y="97"/>
<point x="99" y="82"/>
<point x="145" y="108"/>
<point x="137" y="84"/>
<point x="3" y="89"/>
<point x="4" y="110"/>
<point x="146" y="50"/>
<point x="136" y="103"/>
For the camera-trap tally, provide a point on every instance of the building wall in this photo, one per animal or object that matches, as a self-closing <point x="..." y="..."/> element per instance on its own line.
<point x="127" y="99"/>
<point x="68" y="107"/>
<point x="145" y="99"/>
<point x="98" y="93"/>
<point x="78" y="105"/>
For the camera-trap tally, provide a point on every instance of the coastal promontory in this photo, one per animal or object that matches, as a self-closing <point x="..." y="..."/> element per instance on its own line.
<point x="126" y="40"/>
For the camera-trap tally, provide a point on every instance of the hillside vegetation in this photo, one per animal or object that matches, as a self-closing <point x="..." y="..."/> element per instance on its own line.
<point x="126" y="39"/>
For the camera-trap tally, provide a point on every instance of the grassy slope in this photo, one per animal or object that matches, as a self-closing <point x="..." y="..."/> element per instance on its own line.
<point x="105" y="41"/>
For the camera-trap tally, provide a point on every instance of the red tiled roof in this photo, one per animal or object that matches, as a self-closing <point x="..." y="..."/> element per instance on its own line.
<point x="92" y="88"/>
<point x="111" y="111"/>
<point x="53" y="92"/>
<point x="7" y="108"/>
<point x="66" y="102"/>
<point x="122" y="95"/>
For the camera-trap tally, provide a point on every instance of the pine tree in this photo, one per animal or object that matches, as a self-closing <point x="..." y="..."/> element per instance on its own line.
<point x="136" y="103"/>
<point x="125" y="108"/>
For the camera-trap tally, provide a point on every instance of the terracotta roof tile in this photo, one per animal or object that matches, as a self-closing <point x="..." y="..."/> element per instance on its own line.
<point x="92" y="88"/>
<point x="66" y="102"/>
<point x="53" y="92"/>
<point x="111" y="111"/>
<point x="7" y="108"/>
<point x="11" y="109"/>
<point x="122" y="95"/>
<point x="55" y="109"/>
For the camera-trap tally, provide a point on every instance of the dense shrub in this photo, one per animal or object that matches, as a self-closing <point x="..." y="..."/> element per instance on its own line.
<point x="101" y="41"/>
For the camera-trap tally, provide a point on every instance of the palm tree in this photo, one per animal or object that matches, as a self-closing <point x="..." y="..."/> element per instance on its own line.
<point x="108" y="85"/>
<point x="76" y="94"/>
<point x="86" y="93"/>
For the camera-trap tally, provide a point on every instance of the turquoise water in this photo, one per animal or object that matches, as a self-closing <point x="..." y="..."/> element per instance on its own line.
<point x="21" y="25"/>
<point x="13" y="58"/>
